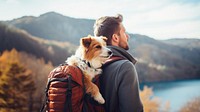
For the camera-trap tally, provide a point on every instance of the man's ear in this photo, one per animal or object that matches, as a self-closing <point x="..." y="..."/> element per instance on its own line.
<point x="115" y="38"/>
<point x="86" y="41"/>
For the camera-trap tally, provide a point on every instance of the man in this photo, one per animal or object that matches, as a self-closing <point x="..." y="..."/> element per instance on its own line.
<point x="119" y="81"/>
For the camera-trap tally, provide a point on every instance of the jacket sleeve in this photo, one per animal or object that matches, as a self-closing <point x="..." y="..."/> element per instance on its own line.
<point x="128" y="89"/>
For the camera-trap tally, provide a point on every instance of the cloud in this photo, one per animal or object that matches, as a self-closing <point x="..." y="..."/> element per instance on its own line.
<point x="157" y="19"/>
<point x="171" y="20"/>
<point x="12" y="1"/>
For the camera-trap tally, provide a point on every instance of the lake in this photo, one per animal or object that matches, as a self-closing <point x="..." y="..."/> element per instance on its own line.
<point x="177" y="92"/>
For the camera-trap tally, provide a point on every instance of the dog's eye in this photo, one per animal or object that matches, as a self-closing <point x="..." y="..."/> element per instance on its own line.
<point x="98" y="47"/>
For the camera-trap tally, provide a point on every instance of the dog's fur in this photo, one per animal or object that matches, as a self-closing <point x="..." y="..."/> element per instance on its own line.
<point x="89" y="57"/>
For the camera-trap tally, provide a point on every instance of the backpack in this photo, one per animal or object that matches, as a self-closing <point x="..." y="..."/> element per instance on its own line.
<point x="65" y="90"/>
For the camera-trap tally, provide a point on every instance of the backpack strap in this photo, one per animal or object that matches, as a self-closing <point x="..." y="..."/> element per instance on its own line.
<point x="111" y="60"/>
<point x="43" y="108"/>
<point x="68" y="102"/>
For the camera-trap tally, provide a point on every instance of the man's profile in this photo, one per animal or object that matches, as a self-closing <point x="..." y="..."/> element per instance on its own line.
<point x="119" y="82"/>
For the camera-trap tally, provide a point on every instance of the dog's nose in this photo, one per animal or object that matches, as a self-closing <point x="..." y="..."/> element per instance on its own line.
<point x="109" y="52"/>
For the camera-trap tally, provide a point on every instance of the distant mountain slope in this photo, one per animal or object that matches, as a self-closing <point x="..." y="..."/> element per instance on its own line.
<point x="162" y="60"/>
<point x="174" y="49"/>
<point x="55" y="26"/>
<point x="11" y="37"/>
<point x="157" y="60"/>
<point x="190" y="48"/>
<point x="186" y="43"/>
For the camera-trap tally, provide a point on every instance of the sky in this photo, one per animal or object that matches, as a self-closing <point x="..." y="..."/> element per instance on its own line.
<point x="158" y="19"/>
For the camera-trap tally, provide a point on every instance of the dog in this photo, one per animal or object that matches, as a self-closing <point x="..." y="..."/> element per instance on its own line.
<point x="89" y="57"/>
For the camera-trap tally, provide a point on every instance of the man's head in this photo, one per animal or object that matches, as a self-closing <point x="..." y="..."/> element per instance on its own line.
<point x="112" y="28"/>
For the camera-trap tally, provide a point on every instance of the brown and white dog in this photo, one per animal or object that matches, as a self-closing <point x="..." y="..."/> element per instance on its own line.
<point x="89" y="57"/>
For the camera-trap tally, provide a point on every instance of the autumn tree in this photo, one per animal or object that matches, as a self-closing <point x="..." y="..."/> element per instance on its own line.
<point x="192" y="106"/>
<point x="40" y="70"/>
<point x="16" y="85"/>
<point x="37" y="68"/>
<point x="152" y="103"/>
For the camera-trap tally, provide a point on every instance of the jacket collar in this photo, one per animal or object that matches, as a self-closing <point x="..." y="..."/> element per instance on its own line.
<point x="118" y="51"/>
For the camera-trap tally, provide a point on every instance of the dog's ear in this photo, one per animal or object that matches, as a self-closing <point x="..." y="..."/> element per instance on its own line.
<point x="86" y="41"/>
<point x="104" y="38"/>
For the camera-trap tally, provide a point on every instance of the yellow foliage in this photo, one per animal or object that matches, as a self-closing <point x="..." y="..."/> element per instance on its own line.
<point x="152" y="103"/>
<point x="7" y="58"/>
<point x="37" y="68"/>
<point x="16" y="84"/>
<point x="6" y="110"/>
<point x="192" y="106"/>
<point x="10" y="56"/>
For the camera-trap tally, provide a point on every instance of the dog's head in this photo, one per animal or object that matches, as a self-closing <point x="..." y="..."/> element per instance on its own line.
<point x="94" y="50"/>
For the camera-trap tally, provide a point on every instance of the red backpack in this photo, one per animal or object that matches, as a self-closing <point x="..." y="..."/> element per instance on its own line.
<point x="65" y="91"/>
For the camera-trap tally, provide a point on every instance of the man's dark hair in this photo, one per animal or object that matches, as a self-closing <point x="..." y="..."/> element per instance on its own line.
<point x="107" y="26"/>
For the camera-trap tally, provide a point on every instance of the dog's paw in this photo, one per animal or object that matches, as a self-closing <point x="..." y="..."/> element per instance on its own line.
<point x="99" y="98"/>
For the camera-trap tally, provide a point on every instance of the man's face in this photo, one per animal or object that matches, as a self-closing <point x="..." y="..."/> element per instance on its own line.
<point x="123" y="38"/>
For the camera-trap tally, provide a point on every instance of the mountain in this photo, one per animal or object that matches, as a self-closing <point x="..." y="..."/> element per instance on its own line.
<point x="11" y="37"/>
<point x="157" y="57"/>
<point x="185" y="43"/>
<point x="54" y="26"/>
<point x="157" y="60"/>
<point x="190" y="48"/>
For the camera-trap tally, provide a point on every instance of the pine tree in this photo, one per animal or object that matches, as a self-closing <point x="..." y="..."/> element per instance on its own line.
<point x="39" y="71"/>
<point x="16" y="86"/>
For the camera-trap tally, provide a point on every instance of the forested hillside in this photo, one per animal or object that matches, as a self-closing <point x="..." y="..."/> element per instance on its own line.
<point x="56" y="52"/>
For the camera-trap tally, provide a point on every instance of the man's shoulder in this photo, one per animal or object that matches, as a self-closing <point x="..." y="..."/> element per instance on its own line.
<point x="121" y="63"/>
<point x="125" y="64"/>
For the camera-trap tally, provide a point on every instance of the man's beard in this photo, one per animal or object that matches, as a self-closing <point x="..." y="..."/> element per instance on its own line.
<point x="124" y="46"/>
<point x="127" y="47"/>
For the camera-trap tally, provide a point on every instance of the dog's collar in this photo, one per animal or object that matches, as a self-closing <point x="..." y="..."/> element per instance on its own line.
<point x="84" y="65"/>
<point x="88" y="63"/>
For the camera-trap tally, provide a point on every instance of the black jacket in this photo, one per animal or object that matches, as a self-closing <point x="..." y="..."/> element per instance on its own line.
<point x="119" y="84"/>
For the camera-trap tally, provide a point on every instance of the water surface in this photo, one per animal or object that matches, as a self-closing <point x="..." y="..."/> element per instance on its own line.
<point x="177" y="92"/>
